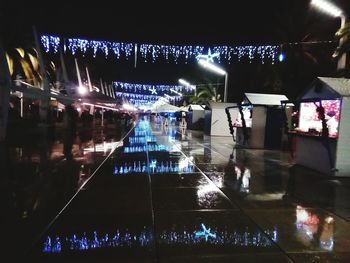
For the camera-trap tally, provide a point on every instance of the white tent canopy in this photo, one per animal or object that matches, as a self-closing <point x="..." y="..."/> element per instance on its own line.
<point x="184" y="108"/>
<point x="166" y="107"/>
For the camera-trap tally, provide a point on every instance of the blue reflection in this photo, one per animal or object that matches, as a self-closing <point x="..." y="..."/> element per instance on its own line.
<point x="205" y="233"/>
<point x="52" y="246"/>
<point x="141" y="139"/>
<point x="155" y="167"/>
<point x="86" y="242"/>
<point x="144" y="148"/>
<point x="235" y="238"/>
<point x="118" y="239"/>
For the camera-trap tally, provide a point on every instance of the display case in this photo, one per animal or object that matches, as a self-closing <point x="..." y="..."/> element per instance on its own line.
<point x="310" y="121"/>
<point x="247" y="111"/>
<point x="323" y="130"/>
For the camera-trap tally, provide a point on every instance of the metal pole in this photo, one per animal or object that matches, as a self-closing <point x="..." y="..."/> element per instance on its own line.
<point x="44" y="102"/>
<point x="78" y="73"/>
<point x="225" y="92"/>
<point x="342" y="59"/>
<point x="135" y="62"/>
<point x="65" y="78"/>
<point x="102" y="89"/>
<point x="21" y="94"/>
<point x="88" y="78"/>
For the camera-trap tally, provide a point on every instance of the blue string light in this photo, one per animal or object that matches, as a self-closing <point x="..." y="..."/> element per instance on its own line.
<point x="209" y="57"/>
<point x="105" y="47"/>
<point x="169" y="53"/>
<point x="221" y="53"/>
<point x="150" y="89"/>
<point x="50" y="42"/>
<point x="143" y="95"/>
<point x="141" y="100"/>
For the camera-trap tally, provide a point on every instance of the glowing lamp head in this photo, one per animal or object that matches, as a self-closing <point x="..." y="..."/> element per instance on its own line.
<point x="82" y="90"/>
<point x="327" y="7"/>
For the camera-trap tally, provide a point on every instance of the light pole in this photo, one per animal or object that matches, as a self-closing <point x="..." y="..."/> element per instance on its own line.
<point x="334" y="11"/>
<point x="212" y="67"/>
<point x="187" y="84"/>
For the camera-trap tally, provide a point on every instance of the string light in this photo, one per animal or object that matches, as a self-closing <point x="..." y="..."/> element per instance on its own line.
<point x="150" y="89"/>
<point x="140" y="100"/>
<point x="169" y="53"/>
<point x="221" y="53"/>
<point x="144" y="95"/>
<point x="50" y="42"/>
<point x="73" y="45"/>
<point x="83" y="45"/>
<point x="153" y="90"/>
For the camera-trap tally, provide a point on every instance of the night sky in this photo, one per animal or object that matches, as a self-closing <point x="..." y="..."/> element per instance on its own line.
<point x="246" y="23"/>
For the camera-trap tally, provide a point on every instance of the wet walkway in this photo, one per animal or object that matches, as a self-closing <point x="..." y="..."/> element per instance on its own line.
<point x="168" y="195"/>
<point x="37" y="179"/>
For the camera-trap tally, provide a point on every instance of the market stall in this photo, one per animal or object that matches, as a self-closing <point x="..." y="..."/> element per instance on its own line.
<point x="216" y="119"/>
<point x="260" y="122"/>
<point x="194" y="116"/>
<point x="323" y="133"/>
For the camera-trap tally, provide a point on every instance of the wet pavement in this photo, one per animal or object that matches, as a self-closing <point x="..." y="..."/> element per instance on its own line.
<point x="172" y="195"/>
<point x="38" y="180"/>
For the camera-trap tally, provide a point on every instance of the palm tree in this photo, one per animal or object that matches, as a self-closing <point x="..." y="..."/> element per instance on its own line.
<point x="24" y="64"/>
<point x="344" y="47"/>
<point x="205" y="94"/>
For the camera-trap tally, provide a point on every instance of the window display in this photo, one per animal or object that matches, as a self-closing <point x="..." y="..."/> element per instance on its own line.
<point x="247" y="115"/>
<point x="310" y="120"/>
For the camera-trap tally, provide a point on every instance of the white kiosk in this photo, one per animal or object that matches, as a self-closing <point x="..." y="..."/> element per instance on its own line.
<point x="216" y="118"/>
<point x="327" y="152"/>
<point x="263" y="117"/>
<point x="195" y="113"/>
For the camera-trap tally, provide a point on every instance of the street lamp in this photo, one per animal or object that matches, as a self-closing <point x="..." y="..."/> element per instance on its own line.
<point x="82" y="90"/>
<point x="176" y="92"/>
<point x="334" y="11"/>
<point x="212" y="67"/>
<point x="186" y="83"/>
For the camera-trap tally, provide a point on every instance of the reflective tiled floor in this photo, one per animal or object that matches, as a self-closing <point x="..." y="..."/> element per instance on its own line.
<point x="170" y="195"/>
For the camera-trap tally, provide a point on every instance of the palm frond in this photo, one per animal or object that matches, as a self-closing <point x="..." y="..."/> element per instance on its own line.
<point x="344" y="31"/>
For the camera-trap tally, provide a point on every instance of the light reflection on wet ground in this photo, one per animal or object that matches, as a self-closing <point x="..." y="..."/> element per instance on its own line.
<point x="169" y="197"/>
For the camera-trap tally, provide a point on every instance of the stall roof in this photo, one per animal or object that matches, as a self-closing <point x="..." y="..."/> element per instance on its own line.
<point x="221" y="105"/>
<point x="195" y="107"/>
<point x="339" y="85"/>
<point x="265" y="99"/>
<point x="327" y="88"/>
